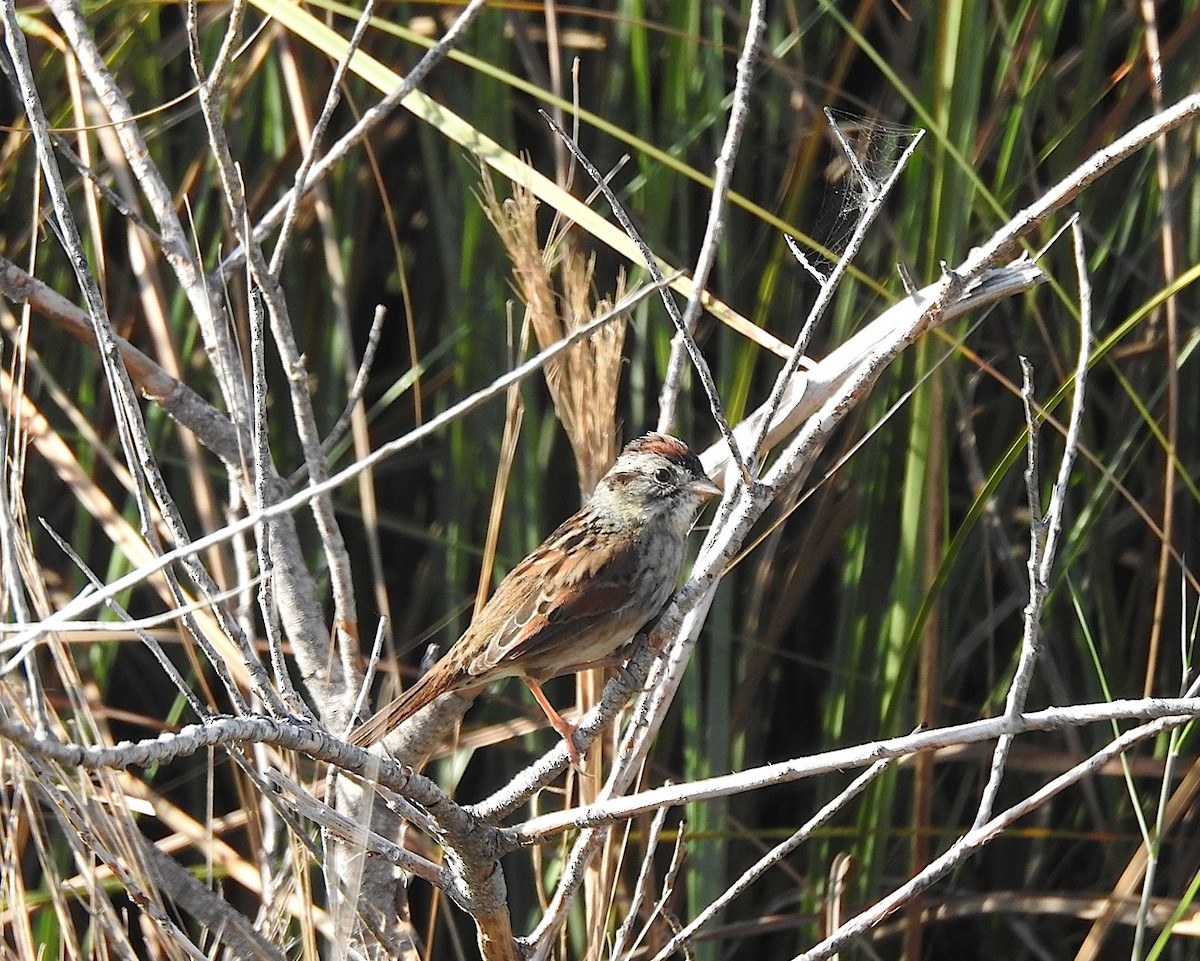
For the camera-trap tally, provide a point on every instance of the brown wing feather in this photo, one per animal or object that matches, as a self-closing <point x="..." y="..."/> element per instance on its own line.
<point x="530" y="630"/>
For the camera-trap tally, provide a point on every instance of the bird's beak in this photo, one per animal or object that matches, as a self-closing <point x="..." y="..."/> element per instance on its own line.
<point x="704" y="487"/>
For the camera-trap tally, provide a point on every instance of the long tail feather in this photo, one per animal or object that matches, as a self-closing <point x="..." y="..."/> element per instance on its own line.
<point x="428" y="689"/>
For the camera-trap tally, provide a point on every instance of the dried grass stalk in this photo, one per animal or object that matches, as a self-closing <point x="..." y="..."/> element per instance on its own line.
<point x="583" y="381"/>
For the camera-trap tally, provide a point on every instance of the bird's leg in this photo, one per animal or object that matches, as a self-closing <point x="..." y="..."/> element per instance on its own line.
<point x="564" y="727"/>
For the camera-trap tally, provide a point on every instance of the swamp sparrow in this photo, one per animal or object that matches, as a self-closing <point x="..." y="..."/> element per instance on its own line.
<point x="583" y="594"/>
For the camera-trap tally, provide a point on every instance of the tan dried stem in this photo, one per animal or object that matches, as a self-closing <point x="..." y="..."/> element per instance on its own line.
<point x="583" y="385"/>
<point x="583" y="381"/>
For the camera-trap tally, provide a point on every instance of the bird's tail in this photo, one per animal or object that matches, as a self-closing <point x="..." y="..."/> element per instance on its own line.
<point x="428" y="689"/>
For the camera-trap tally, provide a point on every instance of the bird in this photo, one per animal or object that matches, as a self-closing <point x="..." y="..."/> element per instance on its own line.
<point x="581" y="596"/>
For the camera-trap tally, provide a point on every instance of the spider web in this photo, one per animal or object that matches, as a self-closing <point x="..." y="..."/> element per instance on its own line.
<point x="862" y="159"/>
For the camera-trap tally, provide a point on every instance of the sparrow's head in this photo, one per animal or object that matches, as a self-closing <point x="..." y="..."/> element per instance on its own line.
<point x="656" y="478"/>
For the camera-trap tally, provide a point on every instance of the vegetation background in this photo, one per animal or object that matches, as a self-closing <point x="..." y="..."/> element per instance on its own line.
<point x="891" y="596"/>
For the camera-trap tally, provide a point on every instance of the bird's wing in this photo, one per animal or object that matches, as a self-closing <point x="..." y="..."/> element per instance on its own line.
<point x="549" y="627"/>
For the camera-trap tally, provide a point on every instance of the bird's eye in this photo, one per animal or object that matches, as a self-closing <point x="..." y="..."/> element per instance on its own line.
<point x="662" y="475"/>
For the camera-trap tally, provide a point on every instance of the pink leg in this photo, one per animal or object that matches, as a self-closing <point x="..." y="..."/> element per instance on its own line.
<point x="564" y="727"/>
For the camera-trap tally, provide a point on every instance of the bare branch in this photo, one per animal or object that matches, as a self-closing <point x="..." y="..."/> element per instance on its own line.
<point x="877" y="193"/>
<point x="975" y="839"/>
<point x="332" y="99"/>
<point x="1003" y="242"/>
<point x="640" y="889"/>
<point x="714" y="228"/>
<point x="175" y="241"/>
<point x="697" y="358"/>
<point x="368" y="122"/>
<point x="774" y="856"/>
<point x="328" y="682"/>
<point x="191" y="411"/>
<point x="612" y="810"/>
<point x="1044" y="531"/>
<point x="136" y="443"/>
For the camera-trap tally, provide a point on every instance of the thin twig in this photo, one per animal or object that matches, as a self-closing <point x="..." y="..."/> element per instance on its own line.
<point x="1003" y="243"/>
<point x="143" y="623"/>
<point x="714" y="228"/>
<point x="211" y="427"/>
<point x="614" y="810"/>
<point x="78" y="819"/>
<point x="119" y="203"/>
<point x="975" y="839"/>
<point x="12" y="571"/>
<point x="697" y="358"/>
<point x="351" y="832"/>
<point x="264" y="470"/>
<point x="803" y="261"/>
<point x="364" y="691"/>
<point x="678" y="856"/>
<point x="1170" y="262"/>
<point x="176" y="244"/>
<point x="135" y="441"/>
<point x="368" y="122"/>
<point x="148" y="639"/>
<point x="806" y="393"/>
<point x="775" y="855"/>
<point x="358" y="388"/>
<point x="877" y="193"/>
<point x="640" y="886"/>
<point x="332" y="99"/>
<point x="1044" y="531"/>
<point x="1163" y="816"/>
<point x="328" y="681"/>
